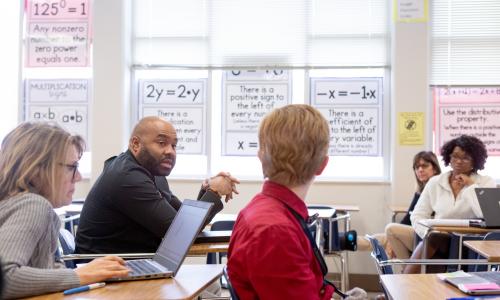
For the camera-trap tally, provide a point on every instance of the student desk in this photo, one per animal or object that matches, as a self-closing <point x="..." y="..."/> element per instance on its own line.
<point x="204" y="248"/>
<point x="460" y="231"/>
<point x="488" y="249"/>
<point x="396" y="210"/>
<point x="418" y="287"/>
<point x="190" y="281"/>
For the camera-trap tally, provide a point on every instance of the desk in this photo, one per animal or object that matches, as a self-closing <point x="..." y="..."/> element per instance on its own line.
<point x="396" y="210"/>
<point x="488" y="249"/>
<point x="190" y="281"/>
<point x="417" y="287"/>
<point x="204" y="248"/>
<point x="458" y="230"/>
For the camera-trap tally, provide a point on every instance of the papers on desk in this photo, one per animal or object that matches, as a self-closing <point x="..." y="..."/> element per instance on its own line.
<point x="445" y="222"/>
<point x="471" y="283"/>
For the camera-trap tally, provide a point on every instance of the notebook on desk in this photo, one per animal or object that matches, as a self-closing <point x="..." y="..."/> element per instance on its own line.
<point x="478" y="283"/>
<point x="175" y="245"/>
<point x="489" y="201"/>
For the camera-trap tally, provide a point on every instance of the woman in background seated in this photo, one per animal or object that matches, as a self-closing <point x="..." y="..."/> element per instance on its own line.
<point x="38" y="172"/>
<point x="451" y="195"/>
<point x="401" y="237"/>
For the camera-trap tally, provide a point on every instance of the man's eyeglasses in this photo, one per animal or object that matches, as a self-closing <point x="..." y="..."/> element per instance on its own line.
<point x="465" y="159"/>
<point x="72" y="168"/>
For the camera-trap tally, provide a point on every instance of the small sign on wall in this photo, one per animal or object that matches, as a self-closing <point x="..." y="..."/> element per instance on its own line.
<point x="411" y="127"/>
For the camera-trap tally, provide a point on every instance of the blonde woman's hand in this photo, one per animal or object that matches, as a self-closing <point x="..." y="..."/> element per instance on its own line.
<point x="101" y="269"/>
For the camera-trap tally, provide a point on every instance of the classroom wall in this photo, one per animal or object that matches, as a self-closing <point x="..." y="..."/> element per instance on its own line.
<point x="409" y="93"/>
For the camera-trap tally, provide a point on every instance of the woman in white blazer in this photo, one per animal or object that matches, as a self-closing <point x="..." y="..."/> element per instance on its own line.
<point x="451" y="195"/>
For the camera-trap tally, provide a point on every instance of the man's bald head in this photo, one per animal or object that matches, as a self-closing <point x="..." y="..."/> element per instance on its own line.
<point x="148" y="124"/>
<point x="153" y="142"/>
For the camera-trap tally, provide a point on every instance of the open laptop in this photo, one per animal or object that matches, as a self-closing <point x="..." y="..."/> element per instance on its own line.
<point x="489" y="201"/>
<point x="174" y="247"/>
<point x="478" y="283"/>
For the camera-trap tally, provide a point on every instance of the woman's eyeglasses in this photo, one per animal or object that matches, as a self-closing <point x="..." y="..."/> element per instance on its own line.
<point x="72" y="168"/>
<point x="465" y="159"/>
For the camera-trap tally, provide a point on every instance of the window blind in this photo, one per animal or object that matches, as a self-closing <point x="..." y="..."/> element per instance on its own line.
<point x="465" y="45"/>
<point x="287" y="33"/>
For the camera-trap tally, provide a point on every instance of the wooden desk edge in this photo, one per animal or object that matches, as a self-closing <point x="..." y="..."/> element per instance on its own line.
<point x="457" y="229"/>
<point x="345" y="207"/>
<point x="398" y="208"/>
<point x="472" y="245"/>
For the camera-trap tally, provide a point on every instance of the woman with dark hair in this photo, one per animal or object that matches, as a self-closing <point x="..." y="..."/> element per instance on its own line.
<point x="451" y="195"/>
<point x="401" y="236"/>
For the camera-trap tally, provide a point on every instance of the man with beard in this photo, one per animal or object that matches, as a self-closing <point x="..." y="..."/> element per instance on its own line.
<point x="130" y="206"/>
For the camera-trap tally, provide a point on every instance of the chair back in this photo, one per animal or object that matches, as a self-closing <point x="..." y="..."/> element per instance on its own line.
<point x="67" y="245"/>
<point x="234" y="296"/>
<point x="223" y="225"/>
<point x="379" y="255"/>
<point x="330" y="229"/>
<point x="492" y="236"/>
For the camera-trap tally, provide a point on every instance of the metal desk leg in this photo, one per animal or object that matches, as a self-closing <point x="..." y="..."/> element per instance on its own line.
<point x="345" y="254"/>
<point x="319" y="236"/>
<point x="423" y="268"/>
<point x="460" y="241"/>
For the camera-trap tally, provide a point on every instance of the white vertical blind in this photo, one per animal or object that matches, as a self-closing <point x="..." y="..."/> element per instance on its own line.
<point x="465" y="42"/>
<point x="289" y="33"/>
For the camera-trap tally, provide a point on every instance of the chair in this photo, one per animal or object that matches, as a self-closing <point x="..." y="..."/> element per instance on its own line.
<point x="66" y="249"/>
<point x="214" y="258"/>
<point x="326" y="233"/>
<point x="71" y="223"/>
<point x="66" y="246"/>
<point x="234" y="296"/>
<point x="379" y="255"/>
<point x="384" y="265"/>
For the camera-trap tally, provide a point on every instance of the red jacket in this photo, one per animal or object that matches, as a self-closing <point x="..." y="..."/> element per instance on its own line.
<point x="270" y="256"/>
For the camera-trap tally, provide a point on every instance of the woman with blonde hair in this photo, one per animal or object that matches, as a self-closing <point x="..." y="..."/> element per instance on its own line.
<point x="38" y="172"/>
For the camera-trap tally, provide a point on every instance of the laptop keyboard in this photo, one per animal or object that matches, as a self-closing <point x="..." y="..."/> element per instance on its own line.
<point x="140" y="267"/>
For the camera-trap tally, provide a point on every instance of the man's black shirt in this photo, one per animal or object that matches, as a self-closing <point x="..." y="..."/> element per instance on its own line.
<point x="128" y="210"/>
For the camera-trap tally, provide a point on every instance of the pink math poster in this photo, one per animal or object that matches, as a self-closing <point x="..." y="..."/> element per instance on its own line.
<point x="58" y="33"/>
<point x="468" y="110"/>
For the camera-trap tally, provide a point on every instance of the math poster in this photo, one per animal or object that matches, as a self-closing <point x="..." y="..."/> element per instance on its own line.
<point x="248" y="96"/>
<point x="182" y="102"/>
<point x="353" y="109"/>
<point x="411" y="127"/>
<point x="468" y="110"/>
<point x="63" y="101"/>
<point x="58" y="33"/>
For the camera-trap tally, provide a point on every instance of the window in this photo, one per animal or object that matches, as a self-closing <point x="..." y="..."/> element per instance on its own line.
<point x="9" y="76"/>
<point x="185" y="44"/>
<point x="465" y="73"/>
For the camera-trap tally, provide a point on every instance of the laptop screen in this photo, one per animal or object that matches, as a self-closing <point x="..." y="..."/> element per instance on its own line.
<point x="180" y="236"/>
<point x="489" y="201"/>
